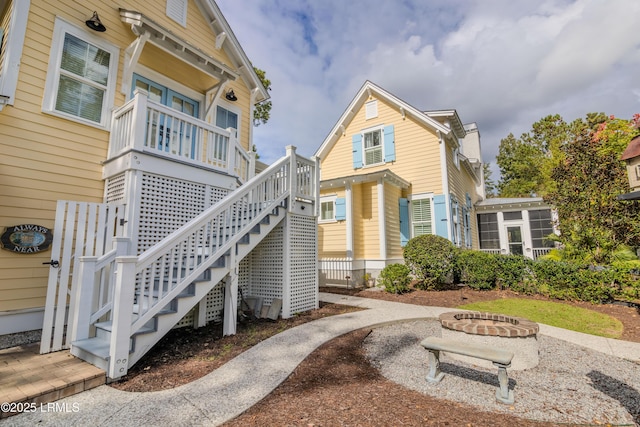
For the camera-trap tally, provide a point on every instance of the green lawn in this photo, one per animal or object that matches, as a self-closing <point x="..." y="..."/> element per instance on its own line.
<point x="553" y="314"/>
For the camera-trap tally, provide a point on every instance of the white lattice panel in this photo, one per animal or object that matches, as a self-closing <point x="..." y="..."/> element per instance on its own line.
<point x="303" y="257"/>
<point x="267" y="270"/>
<point x="115" y="189"/>
<point x="165" y="205"/>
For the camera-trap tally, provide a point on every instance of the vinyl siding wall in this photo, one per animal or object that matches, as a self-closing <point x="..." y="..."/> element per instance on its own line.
<point x="392" y="220"/>
<point x="47" y="158"/>
<point x="332" y="236"/>
<point x="417" y="150"/>
<point x="461" y="183"/>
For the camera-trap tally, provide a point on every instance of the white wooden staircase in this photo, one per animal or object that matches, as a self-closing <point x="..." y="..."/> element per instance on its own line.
<point x="142" y="297"/>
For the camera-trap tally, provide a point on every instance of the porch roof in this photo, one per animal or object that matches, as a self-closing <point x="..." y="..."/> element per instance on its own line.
<point x="156" y="34"/>
<point x="509" y="203"/>
<point x="386" y="175"/>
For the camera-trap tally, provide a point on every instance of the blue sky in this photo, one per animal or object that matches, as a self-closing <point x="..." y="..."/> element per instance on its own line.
<point x="503" y="64"/>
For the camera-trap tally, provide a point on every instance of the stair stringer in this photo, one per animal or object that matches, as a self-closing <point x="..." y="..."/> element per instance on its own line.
<point x="142" y="343"/>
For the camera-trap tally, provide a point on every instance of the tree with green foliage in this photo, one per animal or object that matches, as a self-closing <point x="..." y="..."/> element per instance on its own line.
<point x="262" y="111"/>
<point x="490" y="185"/>
<point x="526" y="163"/>
<point x="587" y="180"/>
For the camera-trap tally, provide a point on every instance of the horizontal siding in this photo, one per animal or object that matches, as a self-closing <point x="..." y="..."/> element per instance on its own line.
<point x="392" y="195"/>
<point x="417" y="150"/>
<point x="367" y="238"/>
<point x="332" y="236"/>
<point x="46" y="158"/>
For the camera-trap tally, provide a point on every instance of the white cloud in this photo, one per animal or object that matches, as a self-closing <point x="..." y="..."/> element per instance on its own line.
<point x="501" y="63"/>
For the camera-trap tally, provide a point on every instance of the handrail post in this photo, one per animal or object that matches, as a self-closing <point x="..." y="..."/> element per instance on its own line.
<point x="316" y="185"/>
<point x="80" y="321"/>
<point x="293" y="175"/>
<point x="139" y="119"/>
<point x="122" y="316"/>
<point x="231" y="157"/>
<point x="252" y="165"/>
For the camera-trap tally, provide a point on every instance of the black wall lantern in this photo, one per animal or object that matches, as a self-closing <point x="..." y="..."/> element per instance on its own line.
<point x="95" y="24"/>
<point x="231" y="96"/>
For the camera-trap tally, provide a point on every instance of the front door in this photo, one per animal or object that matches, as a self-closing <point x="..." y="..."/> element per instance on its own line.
<point x="515" y="241"/>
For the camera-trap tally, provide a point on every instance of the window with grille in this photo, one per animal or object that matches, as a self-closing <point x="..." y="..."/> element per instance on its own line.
<point x="488" y="231"/>
<point x="373" y="147"/>
<point x="328" y="208"/>
<point x="421" y="217"/>
<point x="81" y="76"/>
<point x="541" y="226"/>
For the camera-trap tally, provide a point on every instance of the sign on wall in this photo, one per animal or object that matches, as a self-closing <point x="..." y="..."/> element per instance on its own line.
<point x="26" y="238"/>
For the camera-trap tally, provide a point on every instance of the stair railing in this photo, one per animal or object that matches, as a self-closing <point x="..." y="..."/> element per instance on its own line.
<point x="161" y="273"/>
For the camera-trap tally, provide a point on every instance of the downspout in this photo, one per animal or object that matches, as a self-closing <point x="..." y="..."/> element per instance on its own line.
<point x="445" y="181"/>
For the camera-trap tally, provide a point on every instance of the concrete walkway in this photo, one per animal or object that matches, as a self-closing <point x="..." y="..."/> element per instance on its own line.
<point x="233" y="388"/>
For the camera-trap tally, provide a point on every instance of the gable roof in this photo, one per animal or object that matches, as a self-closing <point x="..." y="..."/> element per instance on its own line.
<point x="367" y="89"/>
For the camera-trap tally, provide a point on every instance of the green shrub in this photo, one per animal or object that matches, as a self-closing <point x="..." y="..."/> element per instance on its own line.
<point x="514" y="272"/>
<point x="395" y="278"/>
<point x="477" y="269"/>
<point x="431" y="259"/>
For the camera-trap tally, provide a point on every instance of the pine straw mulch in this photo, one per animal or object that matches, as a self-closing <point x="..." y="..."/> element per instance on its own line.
<point x="335" y="385"/>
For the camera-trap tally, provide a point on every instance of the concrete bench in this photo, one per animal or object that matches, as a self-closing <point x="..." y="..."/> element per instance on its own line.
<point x="500" y="358"/>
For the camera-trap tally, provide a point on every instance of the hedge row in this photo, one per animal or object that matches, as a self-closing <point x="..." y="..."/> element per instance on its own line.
<point x="436" y="264"/>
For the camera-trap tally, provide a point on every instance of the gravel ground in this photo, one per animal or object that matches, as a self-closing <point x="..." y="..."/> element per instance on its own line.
<point x="570" y="385"/>
<point x="21" y="338"/>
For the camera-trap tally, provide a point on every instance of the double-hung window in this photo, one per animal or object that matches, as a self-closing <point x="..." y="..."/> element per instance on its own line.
<point x="421" y="217"/>
<point x="373" y="147"/>
<point x="81" y="75"/>
<point x="327" y="209"/>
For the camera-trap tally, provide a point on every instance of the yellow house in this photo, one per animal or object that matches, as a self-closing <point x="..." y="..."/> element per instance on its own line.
<point x="390" y="172"/>
<point x="126" y="135"/>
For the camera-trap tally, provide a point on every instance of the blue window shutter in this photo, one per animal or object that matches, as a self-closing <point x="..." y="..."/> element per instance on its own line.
<point x="341" y="209"/>
<point x="389" y="144"/>
<point x="440" y="213"/>
<point x="357" y="151"/>
<point x="404" y="221"/>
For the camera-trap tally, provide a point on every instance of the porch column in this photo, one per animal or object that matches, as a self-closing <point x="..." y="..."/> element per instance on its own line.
<point x="381" y="221"/>
<point x="231" y="297"/>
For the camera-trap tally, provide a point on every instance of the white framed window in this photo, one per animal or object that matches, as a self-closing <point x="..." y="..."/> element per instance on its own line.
<point x="455" y="222"/>
<point x="327" y="209"/>
<point x="456" y="158"/>
<point x="177" y="10"/>
<point x="373" y="148"/>
<point x="228" y="116"/>
<point x="421" y="210"/>
<point x="81" y="77"/>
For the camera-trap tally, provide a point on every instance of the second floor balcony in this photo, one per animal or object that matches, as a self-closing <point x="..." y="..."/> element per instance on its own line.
<point x="144" y="126"/>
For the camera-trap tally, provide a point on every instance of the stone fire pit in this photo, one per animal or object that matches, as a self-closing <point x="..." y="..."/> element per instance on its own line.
<point x="497" y="330"/>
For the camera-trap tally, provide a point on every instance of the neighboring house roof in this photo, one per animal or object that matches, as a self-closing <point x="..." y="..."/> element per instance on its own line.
<point x="632" y="150"/>
<point x="386" y="175"/>
<point x="505" y="203"/>
<point x="367" y="89"/>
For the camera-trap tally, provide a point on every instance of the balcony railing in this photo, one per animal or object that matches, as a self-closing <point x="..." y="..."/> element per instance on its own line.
<point x="147" y="126"/>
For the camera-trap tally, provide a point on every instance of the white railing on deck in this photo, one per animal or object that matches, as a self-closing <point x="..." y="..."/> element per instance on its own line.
<point x="145" y="125"/>
<point x="155" y="277"/>
<point x="536" y="252"/>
